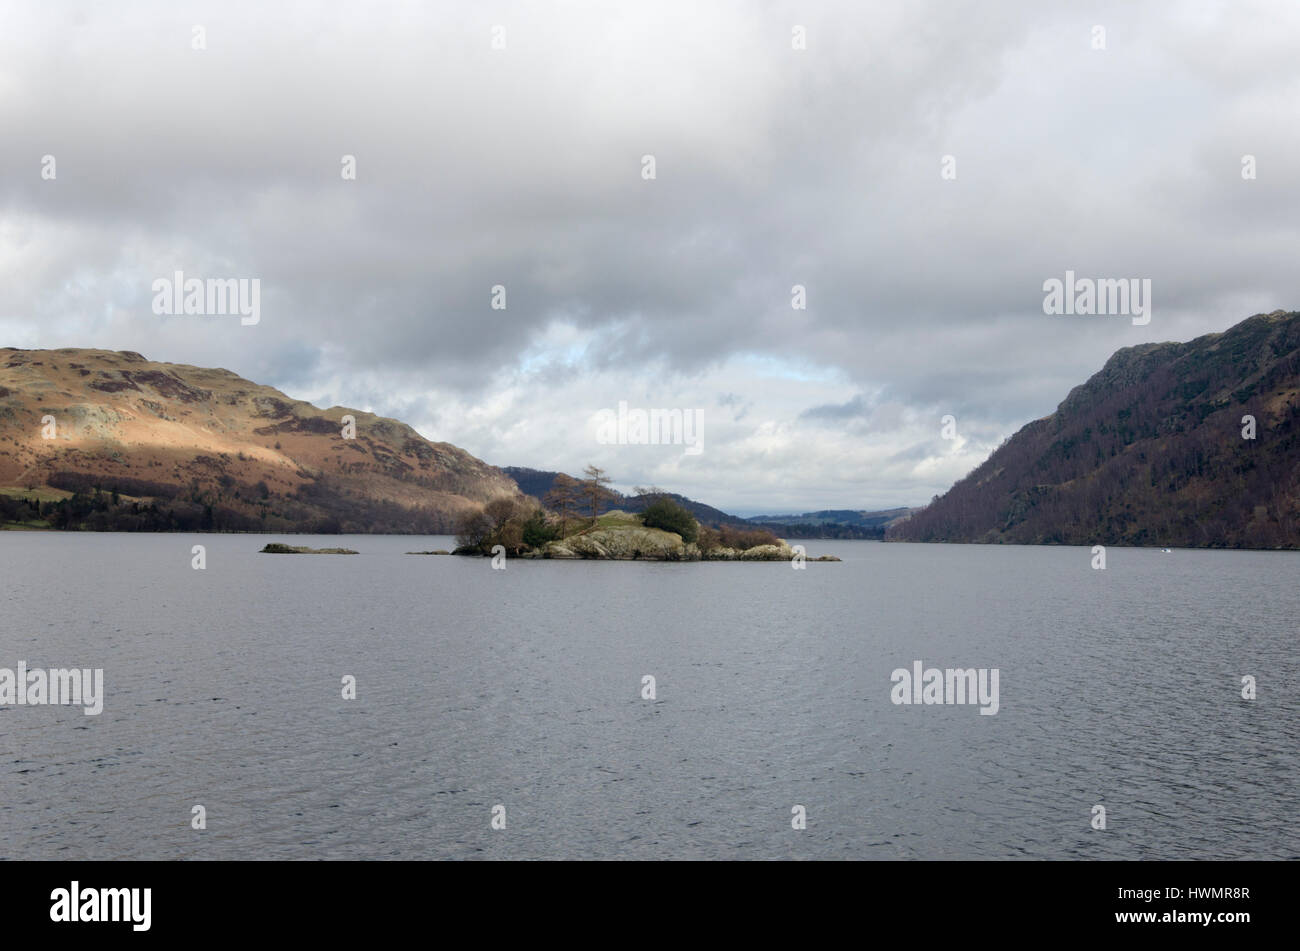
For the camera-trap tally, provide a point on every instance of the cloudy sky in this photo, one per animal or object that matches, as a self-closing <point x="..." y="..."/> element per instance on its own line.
<point x="774" y="166"/>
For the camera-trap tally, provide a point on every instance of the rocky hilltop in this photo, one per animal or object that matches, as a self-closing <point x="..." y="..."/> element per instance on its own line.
<point x="1153" y="450"/>
<point x="143" y="446"/>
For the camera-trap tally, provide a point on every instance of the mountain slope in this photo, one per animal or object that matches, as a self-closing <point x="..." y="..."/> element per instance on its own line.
<point x="188" y="448"/>
<point x="1149" y="451"/>
<point x="538" y="482"/>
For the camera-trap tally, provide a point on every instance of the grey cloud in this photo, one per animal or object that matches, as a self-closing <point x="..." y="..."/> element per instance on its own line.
<point x="775" y="167"/>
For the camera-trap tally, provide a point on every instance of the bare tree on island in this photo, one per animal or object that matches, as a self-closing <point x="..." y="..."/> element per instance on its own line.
<point x="595" y="488"/>
<point x="564" y="498"/>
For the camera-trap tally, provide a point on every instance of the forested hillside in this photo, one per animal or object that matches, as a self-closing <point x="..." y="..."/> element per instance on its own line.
<point x="1149" y="451"/>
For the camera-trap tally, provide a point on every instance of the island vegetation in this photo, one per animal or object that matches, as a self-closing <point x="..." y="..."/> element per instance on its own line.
<point x="569" y="523"/>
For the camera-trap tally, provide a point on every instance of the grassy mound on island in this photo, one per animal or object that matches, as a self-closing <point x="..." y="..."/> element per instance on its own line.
<point x="665" y="531"/>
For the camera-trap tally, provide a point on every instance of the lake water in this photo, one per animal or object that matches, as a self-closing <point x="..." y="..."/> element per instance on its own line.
<point x="523" y="687"/>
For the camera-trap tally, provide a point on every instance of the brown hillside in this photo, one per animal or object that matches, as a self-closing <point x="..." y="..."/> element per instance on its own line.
<point x="188" y="448"/>
<point x="1149" y="451"/>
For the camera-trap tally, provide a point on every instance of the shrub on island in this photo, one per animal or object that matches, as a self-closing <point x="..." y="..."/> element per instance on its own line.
<point x="669" y="516"/>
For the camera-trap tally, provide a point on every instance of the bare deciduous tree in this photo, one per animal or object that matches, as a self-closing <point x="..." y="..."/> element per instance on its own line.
<point x="595" y="488"/>
<point x="563" y="499"/>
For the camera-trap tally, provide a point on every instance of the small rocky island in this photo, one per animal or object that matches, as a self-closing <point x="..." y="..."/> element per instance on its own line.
<point x="665" y="531"/>
<point x="275" y="548"/>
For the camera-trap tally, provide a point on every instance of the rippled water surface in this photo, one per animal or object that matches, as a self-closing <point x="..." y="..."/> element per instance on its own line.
<point x="523" y="688"/>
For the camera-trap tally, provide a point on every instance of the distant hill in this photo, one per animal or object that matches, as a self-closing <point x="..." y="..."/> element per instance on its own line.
<point x="833" y="523"/>
<point x="145" y="446"/>
<point x="1149" y="451"/>
<point x="704" y="514"/>
<point x="828" y="524"/>
<point x="534" y="482"/>
<point x="538" y="482"/>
